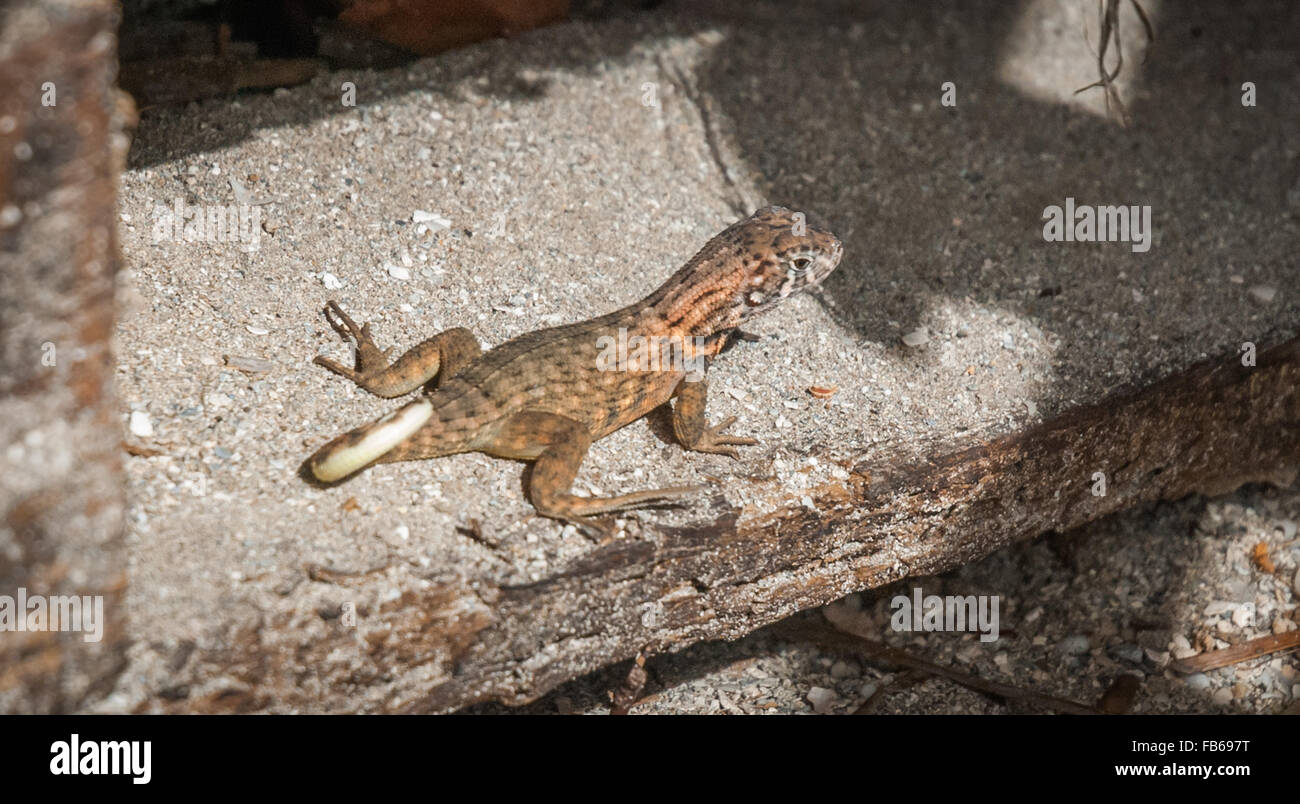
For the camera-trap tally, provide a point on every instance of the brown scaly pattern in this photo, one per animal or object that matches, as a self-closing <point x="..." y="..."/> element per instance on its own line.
<point x="548" y="395"/>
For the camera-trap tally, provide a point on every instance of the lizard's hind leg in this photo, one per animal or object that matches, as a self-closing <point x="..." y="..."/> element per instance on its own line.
<point x="441" y="356"/>
<point x="557" y="446"/>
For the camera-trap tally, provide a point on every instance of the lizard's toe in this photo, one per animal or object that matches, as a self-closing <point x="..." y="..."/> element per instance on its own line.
<point x="601" y="529"/>
<point x="714" y="441"/>
<point x="337" y="368"/>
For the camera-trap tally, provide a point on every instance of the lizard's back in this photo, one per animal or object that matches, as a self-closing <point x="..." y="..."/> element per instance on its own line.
<point x="558" y="370"/>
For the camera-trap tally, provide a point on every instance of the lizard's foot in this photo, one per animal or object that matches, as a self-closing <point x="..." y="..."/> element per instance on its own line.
<point x="600" y="529"/>
<point x="572" y="508"/>
<point x="440" y="356"/>
<point x="715" y="441"/>
<point x="370" y="358"/>
<point x="692" y="427"/>
<point x="585" y="512"/>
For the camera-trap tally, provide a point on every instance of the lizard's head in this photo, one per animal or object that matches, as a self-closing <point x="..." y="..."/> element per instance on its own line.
<point x="781" y="254"/>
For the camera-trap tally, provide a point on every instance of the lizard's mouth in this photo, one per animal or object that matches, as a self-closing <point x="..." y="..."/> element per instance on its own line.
<point x="822" y="268"/>
<point x="837" y="252"/>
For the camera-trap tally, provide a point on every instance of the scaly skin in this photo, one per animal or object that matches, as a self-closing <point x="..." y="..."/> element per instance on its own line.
<point x="548" y="395"/>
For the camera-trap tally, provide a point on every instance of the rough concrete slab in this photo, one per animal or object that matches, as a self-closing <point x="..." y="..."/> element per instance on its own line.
<point x="567" y="195"/>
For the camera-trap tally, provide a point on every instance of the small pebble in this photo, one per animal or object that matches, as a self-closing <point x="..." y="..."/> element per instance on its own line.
<point x="433" y="220"/>
<point x="397" y="272"/>
<point x="1181" y="648"/>
<point x="1219" y="607"/>
<point x="1262" y="293"/>
<point x="249" y="365"/>
<point x="1076" y="645"/>
<point x="916" y="337"/>
<point x="140" y="424"/>
<point x="1244" y="616"/>
<point x="822" y="699"/>
<point x="1127" y="652"/>
<point x="1184" y="653"/>
<point x="843" y="669"/>
<point x="1157" y="657"/>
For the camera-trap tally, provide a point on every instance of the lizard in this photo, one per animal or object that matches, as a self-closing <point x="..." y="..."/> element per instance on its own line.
<point x="548" y="395"/>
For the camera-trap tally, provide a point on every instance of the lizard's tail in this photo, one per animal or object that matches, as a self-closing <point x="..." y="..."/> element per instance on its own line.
<point x="368" y="443"/>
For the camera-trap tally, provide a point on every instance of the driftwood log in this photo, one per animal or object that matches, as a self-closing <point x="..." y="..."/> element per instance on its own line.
<point x="61" y="495"/>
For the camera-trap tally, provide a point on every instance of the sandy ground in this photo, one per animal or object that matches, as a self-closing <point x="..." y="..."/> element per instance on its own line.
<point x="520" y="184"/>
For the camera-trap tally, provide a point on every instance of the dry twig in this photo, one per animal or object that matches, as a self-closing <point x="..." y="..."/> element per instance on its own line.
<point x="1261" y="646"/>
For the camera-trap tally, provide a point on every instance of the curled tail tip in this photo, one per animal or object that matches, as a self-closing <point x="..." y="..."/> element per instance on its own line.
<point x="363" y="446"/>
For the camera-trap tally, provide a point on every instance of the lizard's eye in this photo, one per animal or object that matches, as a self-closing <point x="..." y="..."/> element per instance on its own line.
<point x="802" y="264"/>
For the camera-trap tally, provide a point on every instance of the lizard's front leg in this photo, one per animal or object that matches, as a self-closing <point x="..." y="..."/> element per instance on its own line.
<point x="557" y="446"/>
<point x="693" y="428"/>
<point x="442" y="355"/>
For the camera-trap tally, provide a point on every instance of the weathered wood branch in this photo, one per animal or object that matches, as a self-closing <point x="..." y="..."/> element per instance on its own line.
<point x="61" y="497"/>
